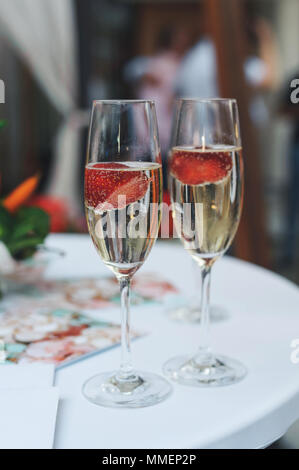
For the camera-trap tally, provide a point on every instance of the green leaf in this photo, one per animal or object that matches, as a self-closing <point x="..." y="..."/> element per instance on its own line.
<point x="25" y="247"/>
<point x="23" y="232"/>
<point x="6" y="224"/>
<point x="31" y="221"/>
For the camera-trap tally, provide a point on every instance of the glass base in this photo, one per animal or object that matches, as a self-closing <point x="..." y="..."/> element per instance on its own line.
<point x="144" y="389"/>
<point x="191" y="314"/>
<point x="211" y="372"/>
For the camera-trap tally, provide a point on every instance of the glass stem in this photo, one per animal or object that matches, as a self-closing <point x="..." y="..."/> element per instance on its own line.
<point x="194" y="298"/>
<point x="126" y="368"/>
<point x="204" y="351"/>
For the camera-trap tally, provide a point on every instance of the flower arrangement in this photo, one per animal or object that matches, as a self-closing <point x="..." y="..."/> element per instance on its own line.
<point x="22" y="228"/>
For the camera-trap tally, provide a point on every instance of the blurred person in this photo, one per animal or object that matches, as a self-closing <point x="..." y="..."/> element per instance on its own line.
<point x="155" y="77"/>
<point x="261" y="66"/>
<point x="197" y="75"/>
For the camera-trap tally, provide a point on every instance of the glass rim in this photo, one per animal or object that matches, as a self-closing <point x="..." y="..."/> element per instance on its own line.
<point x="121" y="101"/>
<point x="207" y="100"/>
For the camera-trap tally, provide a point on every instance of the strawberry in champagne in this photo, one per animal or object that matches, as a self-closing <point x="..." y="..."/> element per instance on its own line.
<point x="118" y="198"/>
<point x="207" y="198"/>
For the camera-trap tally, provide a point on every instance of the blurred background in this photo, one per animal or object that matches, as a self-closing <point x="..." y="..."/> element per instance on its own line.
<point x="56" y="56"/>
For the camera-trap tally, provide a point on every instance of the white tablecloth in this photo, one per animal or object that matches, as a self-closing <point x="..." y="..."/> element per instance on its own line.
<point x="263" y="321"/>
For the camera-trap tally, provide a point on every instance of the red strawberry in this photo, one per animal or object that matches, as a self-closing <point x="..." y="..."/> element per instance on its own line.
<point x="198" y="167"/>
<point x="108" y="187"/>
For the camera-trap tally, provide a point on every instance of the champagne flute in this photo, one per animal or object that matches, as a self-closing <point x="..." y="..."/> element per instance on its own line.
<point x="123" y="192"/>
<point x="206" y="185"/>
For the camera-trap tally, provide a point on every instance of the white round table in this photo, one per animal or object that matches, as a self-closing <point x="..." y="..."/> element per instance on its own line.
<point x="263" y="321"/>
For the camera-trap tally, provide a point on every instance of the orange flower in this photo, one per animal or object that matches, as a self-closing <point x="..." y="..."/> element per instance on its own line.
<point x="21" y="194"/>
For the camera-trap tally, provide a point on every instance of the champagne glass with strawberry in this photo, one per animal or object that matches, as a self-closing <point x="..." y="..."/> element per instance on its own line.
<point x="123" y="192"/>
<point x="206" y="186"/>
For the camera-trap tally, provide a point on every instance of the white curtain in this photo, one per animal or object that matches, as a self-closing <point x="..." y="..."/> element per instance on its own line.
<point x="43" y="34"/>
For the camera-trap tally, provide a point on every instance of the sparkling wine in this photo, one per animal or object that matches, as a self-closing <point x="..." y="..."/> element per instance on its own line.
<point x="122" y="202"/>
<point x="206" y="190"/>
